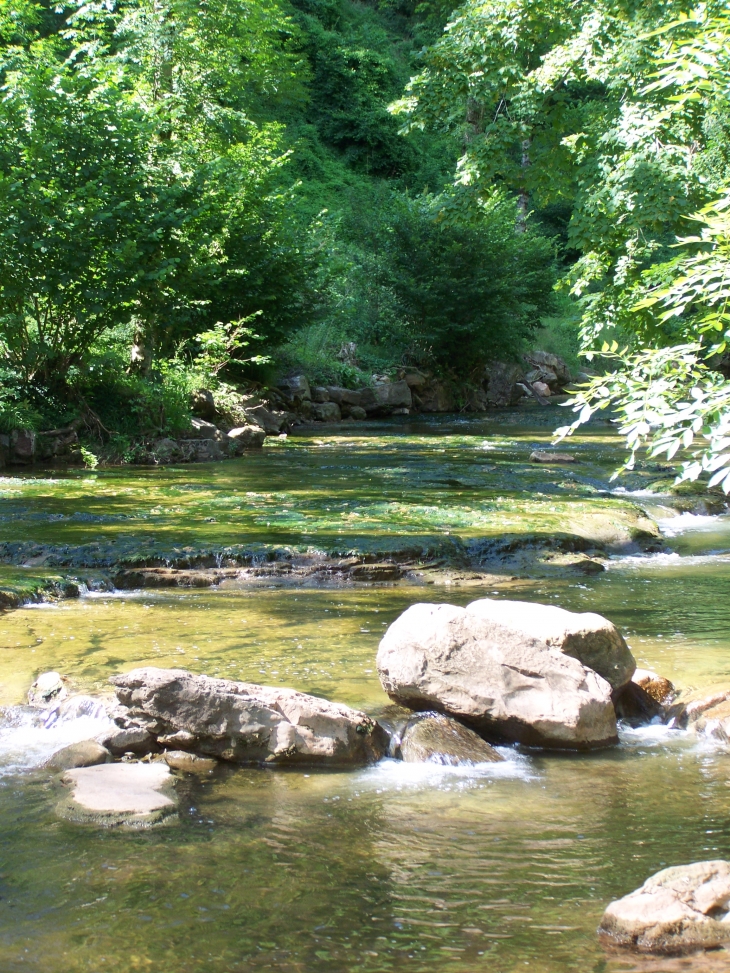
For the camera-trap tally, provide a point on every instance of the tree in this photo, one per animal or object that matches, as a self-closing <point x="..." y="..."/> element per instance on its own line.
<point x="616" y="108"/>
<point x="87" y="228"/>
<point x="133" y="185"/>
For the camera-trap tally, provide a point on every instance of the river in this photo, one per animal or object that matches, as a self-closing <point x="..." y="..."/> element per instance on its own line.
<point x="409" y="868"/>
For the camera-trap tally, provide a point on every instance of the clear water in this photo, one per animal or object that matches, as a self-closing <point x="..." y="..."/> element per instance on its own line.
<point x="397" y="867"/>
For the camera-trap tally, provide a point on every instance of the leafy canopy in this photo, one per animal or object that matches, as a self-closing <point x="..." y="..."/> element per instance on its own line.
<point x="620" y="110"/>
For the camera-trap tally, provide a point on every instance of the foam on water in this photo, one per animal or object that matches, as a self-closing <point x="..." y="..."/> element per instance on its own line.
<point x="623" y="492"/>
<point x="26" y="741"/>
<point x="654" y="734"/>
<point x="671" y="526"/>
<point x="398" y="775"/>
<point x="665" y="560"/>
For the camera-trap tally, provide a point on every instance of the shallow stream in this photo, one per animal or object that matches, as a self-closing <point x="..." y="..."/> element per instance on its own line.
<point x="397" y="867"/>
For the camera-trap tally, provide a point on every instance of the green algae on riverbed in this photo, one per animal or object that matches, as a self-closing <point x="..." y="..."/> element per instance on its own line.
<point x="453" y="489"/>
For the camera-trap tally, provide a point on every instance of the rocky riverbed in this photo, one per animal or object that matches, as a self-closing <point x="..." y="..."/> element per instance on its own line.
<point x="488" y="852"/>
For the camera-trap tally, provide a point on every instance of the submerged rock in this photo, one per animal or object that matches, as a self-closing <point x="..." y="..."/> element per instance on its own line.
<point x="189" y="762"/>
<point x="543" y="456"/>
<point x="509" y="685"/>
<point x="246" y="723"/>
<point x="586" y="636"/>
<point x="439" y="739"/>
<point x="88" y="753"/>
<point x="130" y="795"/>
<point x="678" y="910"/>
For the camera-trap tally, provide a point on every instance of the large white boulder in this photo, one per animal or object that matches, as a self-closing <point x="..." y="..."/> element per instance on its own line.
<point x="507" y="685"/>
<point x="246" y="723"/>
<point x="586" y="636"/>
<point x="678" y="910"/>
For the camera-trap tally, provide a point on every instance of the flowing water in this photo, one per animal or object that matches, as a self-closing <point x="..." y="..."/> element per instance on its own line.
<point x="396" y="867"/>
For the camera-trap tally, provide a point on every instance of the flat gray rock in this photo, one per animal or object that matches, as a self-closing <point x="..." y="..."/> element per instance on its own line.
<point x="245" y="723"/>
<point x="130" y="795"/>
<point x="678" y="910"/>
<point x="507" y="685"/>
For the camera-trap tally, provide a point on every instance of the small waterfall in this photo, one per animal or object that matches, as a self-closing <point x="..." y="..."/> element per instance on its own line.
<point x="30" y="735"/>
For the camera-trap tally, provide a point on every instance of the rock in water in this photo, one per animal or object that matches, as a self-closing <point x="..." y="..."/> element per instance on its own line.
<point x="542" y="456"/>
<point x="678" y="910"/>
<point x="189" y="762"/>
<point x="587" y="637"/>
<point x="130" y="795"/>
<point x="439" y="739"/>
<point x="245" y="437"/>
<point x="512" y="688"/>
<point x="47" y="688"/>
<point x="635" y="706"/>
<point x="127" y="740"/>
<point x="708" y="716"/>
<point x="245" y="723"/>
<point x="88" y="753"/>
<point x="658" y="687"/>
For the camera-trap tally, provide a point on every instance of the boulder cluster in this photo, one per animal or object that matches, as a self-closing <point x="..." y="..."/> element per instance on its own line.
<point x="466" y="679"/>
<point x="514" y="671"/>
<point x="410" y="390"/>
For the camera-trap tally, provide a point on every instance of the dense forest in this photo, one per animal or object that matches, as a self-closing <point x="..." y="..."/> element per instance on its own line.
<point x="200" y="195"/>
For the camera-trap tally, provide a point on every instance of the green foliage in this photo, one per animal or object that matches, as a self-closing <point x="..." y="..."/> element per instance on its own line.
<point x="407" y="286"/>
<point x="214" y="182"/>
<point x="16" y="411"/>
<point x="90" y="460"/>
<point x="559" y="334"/>
<point x="220" y="347"/>
<point x="619" y="111"/>
<point x="667" y="398"/>
<point x="83" y="232"/>
<point x="468" y="293"/>
<point x="133" y="186"/>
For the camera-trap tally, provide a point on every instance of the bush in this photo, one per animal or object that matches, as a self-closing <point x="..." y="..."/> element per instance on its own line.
<point x="408" y="288"/>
